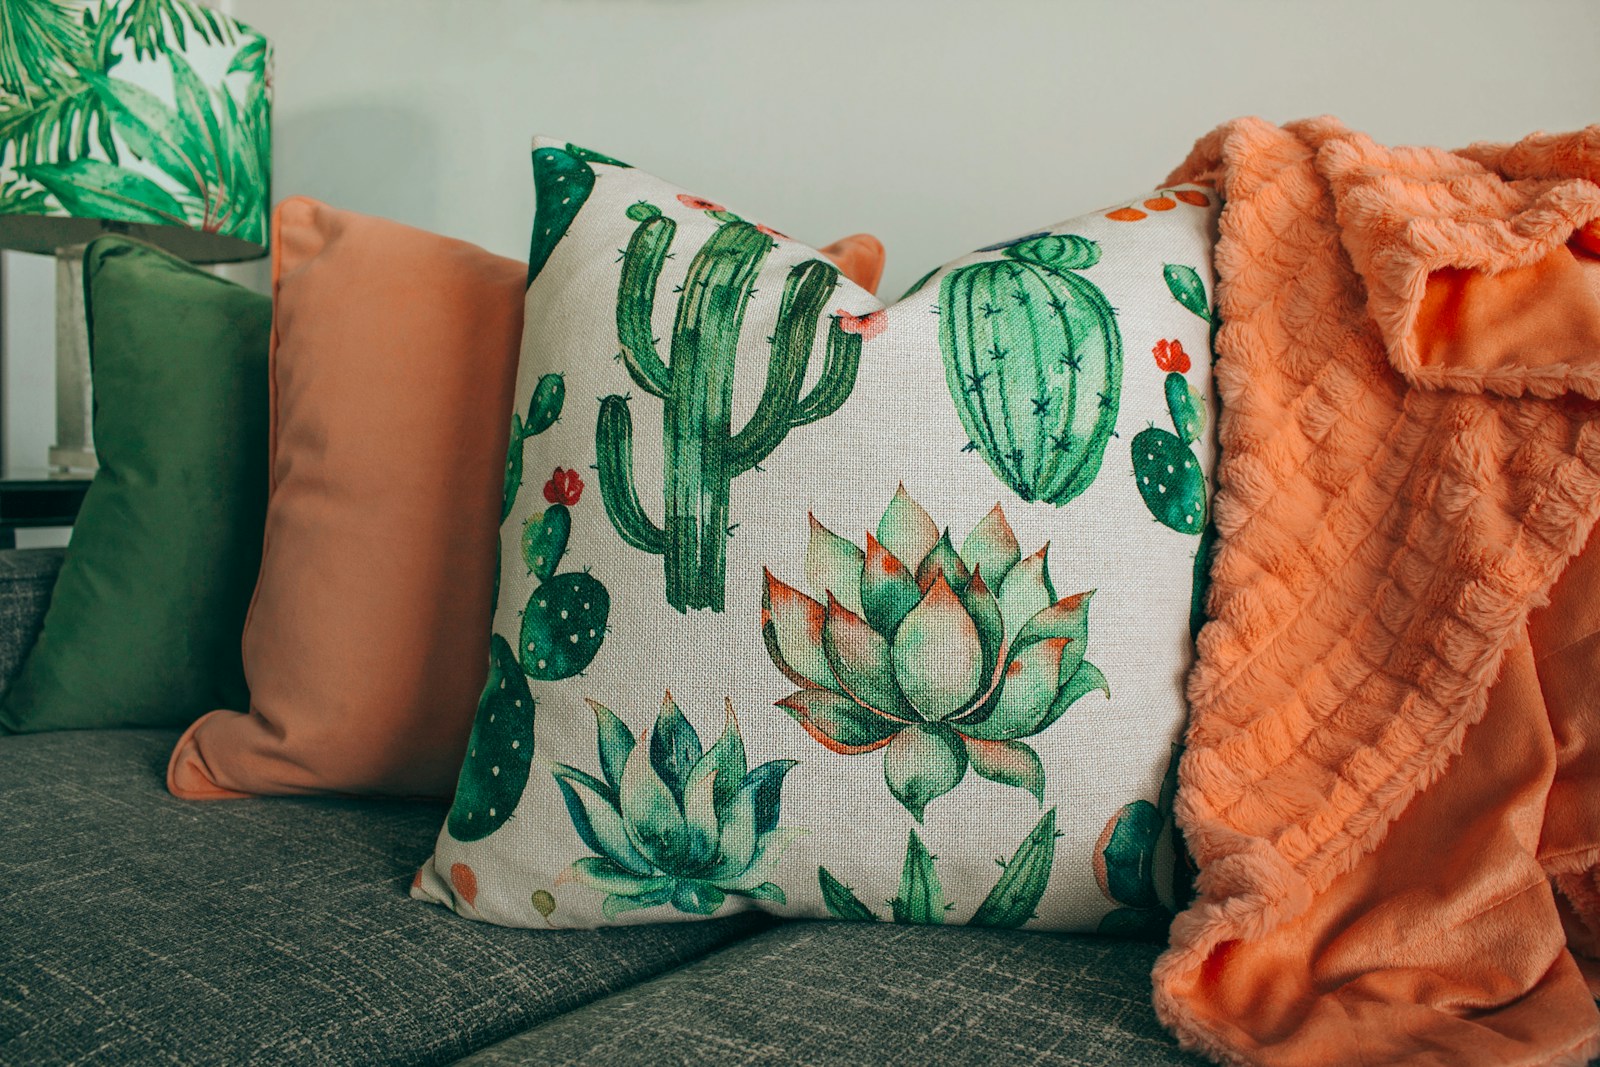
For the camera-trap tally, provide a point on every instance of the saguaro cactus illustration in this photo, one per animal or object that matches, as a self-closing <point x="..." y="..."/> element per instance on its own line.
<point x="703" y="453"/>
<point x="1033" y="359"/>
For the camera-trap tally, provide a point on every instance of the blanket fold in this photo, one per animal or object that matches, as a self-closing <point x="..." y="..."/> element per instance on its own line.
<point x="1388" y="758"/>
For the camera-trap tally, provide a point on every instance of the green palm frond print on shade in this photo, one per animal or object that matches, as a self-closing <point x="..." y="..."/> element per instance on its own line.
<point x="1033" y="361"/>
<point x="673" y="823"/>
<point x="140" y="111"/>
<point x="695" y="384"/>
<point x="1010" y="904"/>
<point x="942" y="659"/>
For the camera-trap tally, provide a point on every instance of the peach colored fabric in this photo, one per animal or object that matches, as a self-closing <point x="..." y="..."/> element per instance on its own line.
<point x="1388" y="757"/>
<point x="394" y="353"/>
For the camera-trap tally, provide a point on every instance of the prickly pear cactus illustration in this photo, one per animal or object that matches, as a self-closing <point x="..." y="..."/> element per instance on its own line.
<point x="544" y="408"/>
<point x="562" y="182"/>
<point x="1010" y="903"/>
<point x="499" y="752"/>
<point x="695" y="385"/>
<point x="1165" y="467"/>
<point x="1125" y="864"/>
<point x="564" y="621"/>
<point x="1033" y="360"/>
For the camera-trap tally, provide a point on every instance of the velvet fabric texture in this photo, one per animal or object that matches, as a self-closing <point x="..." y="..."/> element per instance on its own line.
<point x="393" y="356"/>
<point x="143" y="627"/>
<point x="1391" y="754"/>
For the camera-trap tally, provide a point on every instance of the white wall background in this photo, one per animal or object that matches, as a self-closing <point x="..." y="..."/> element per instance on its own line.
<point x="937" y="125"/>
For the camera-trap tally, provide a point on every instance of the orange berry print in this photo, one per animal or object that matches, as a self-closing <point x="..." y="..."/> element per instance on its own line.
<point x="465" y="882"/>
<point x="1126" y="214"/>
<point x="1192" y="197"/>
<point x="1161" y="203"/>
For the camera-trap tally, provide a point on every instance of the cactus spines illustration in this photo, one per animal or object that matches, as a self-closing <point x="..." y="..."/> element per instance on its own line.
<point x="1033" y="360"/>
<point x="564" y="621"/>
<point x="1009" y="905"/>
<point x="544" y="408"/>
<point x="562" y="182"/>
<point x="703" y="453"/>
<point x="499" y="752"/>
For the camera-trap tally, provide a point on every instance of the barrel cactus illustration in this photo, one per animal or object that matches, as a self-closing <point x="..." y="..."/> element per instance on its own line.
<point x="564" y="622"/>
<point x="942" y="659"/>
<point x="1033" y="360"/>
<point x="1010" y="903"/>
<point x="671" y="823"/>
<point x="703" y="453"/>
<point x="544" y="408"/>
<point x="499" y="751"/>
<point x="562" y="182"/>
<point x="1125" y="859"/>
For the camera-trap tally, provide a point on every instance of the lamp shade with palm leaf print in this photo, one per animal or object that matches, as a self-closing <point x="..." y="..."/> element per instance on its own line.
<point x="149" y="117"/>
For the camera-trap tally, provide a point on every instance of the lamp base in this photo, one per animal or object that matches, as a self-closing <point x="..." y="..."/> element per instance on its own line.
<point x="74" y="447"/>
<point x="73" y="460"/>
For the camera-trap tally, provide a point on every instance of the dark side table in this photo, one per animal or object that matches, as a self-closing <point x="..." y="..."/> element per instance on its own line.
<point x="35" y="498"/>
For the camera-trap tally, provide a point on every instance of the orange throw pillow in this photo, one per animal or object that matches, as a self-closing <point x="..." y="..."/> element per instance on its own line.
<point x="394" y="352"/>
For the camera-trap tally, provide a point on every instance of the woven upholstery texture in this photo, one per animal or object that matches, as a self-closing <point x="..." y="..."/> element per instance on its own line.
<point x="135" y="928"/>
<point x="26" y="579"/>
<point x="823" y="993"/>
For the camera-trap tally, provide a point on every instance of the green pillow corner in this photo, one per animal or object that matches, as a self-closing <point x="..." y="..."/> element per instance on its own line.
<point x="144" y="625"/>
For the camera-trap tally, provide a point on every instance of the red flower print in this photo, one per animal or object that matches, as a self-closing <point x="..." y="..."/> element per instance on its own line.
<point x="1126" y="214"/>
<point x="770" y="232"/>
<point x="564" y="487"/>
<point x="1193" y="198"/>
<point x="1161" y="203"/>
<point x="1170" y="356"/>
<point x="868" y="326"/>
<point x="699" y="204"/>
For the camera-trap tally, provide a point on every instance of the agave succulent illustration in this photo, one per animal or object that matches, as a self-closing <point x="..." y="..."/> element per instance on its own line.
<point x="943" y="659"/>
<point x="672" y="823"/>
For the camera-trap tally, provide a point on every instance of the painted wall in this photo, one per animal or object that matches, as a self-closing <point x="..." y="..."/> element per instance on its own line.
<point x="937" y="125"/>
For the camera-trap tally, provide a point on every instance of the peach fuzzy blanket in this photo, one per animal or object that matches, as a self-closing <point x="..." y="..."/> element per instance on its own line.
<point x="1392" y="785"/>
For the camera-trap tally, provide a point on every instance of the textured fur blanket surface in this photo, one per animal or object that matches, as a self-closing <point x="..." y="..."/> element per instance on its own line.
<point x="1392" y="781"/>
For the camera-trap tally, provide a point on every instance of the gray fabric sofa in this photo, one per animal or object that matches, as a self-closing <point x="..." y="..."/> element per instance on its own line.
<point x="136" y="928"/>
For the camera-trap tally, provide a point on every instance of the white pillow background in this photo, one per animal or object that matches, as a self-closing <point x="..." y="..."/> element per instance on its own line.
<point x="899" y="432"/>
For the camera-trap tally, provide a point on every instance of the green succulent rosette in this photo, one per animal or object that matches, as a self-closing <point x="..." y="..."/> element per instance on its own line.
<point x="942" y="659"/>
<point x="673" y="823"/>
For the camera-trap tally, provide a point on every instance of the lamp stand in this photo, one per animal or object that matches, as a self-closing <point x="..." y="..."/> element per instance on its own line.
<point x="74" y="447"/>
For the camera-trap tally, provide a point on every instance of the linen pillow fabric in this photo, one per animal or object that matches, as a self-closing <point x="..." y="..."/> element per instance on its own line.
<point x="143" y="625"/>
<point x="822" y="607"/>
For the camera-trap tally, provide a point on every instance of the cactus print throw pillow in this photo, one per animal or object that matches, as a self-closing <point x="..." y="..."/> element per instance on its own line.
<point x="833" y="609"/>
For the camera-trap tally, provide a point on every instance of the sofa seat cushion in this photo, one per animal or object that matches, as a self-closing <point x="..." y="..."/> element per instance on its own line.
<point x="135" y="928"/>
<point x="824" y="993"/>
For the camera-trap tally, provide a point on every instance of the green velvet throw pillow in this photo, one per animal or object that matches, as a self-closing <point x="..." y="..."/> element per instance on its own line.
<point x="144" y="624"/>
